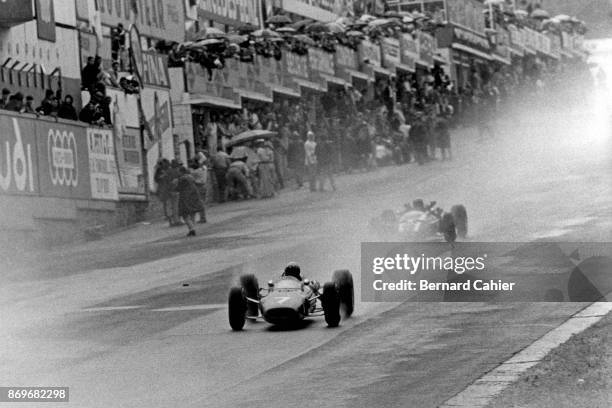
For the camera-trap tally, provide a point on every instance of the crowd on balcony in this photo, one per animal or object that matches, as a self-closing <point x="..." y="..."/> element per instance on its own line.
<point x="53" y="105"/>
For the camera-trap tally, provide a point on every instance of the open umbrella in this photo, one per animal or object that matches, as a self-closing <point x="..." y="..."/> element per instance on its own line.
<point x="317" y="28"/>
<point x="279" y="19"/>
<point x="212" y="32"/>
<point x="207" y="42"/>
<point x="367" y="17"/>
<point x="521" y="13"/>
<point x="336" y="27"/>
<point x="246" y="28"/>
<point x="286" y="30"/>
<point x="355" y="33"/>
<point x="237" y="39"/>
<point x="540" y="14"/>
<point x="381" y="22"/>
<point x="304" y="39"/>
<point x="345" y="21"/>
<point x="300" y="25"/>
<point x="265" y="33"/>
<point x="249" y="136"/>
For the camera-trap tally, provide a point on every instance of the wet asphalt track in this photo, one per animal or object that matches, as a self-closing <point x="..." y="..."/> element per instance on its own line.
<point x="138" y="319"/>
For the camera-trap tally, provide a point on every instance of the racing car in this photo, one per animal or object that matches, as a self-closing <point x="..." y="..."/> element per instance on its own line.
<point x="421" y="222"/>
<point x="291" y="299"/>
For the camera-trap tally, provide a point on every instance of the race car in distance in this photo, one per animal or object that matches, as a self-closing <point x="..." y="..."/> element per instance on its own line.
<point x="291" y="299"/>
<point x="421" y="222"/>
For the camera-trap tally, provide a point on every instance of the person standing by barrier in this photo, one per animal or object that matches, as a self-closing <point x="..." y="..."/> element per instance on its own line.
<point x="310" y="160"/>
<point x="265" y="169"/>
<point x="164" y="187"/>
<point x="220" y="163"/>
<point x="237" y="179"/>
<point x="295" y="158"/>
<point x="189" y="202"/>
<point x="200" y="177"/>
<point x="418" y="138"/>
<point x="443" y="136"/>
<point x="325" y="162"/>
<point x="173" y="174"/>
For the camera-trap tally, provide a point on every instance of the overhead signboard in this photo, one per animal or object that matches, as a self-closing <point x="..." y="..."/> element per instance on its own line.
<point x="410" y="51"/>
<point x="102" y="164"/>
<point x="230" y="12"/>
<point x="468" y="14"/>
<point x="15" y="12"/>
<point x="369" y="53"/>
<point x="391" y="52"/>
<point x="45" y="20"/>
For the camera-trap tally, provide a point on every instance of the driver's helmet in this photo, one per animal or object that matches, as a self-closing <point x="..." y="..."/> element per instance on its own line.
<point x="293" y="269"/>
<point x="418" y="204"/>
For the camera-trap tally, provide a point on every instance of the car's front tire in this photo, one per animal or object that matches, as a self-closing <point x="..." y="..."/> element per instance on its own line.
<point x="344" y="282"/>
<point x="461" y="220"/>
<point x="330" y="300"/>
<point x="250" y="285"/>
<point x="237" y="307"/>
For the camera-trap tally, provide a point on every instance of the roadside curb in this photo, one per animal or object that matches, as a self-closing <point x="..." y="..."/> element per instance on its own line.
<point x="482" y="391"/>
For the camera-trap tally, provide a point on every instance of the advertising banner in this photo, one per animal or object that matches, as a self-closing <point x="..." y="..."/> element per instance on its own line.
<point x="131" y="180"/>
<point x="555" y="45"/>
<point x="199" y="83"/>
<point x="63" y="163"/>
<point x="426" y="49"/>
<point x="18" y="156"/>
<point x="321" y="62"/>
<point x="468" y="14"/>
<point x="321" y="66"/>
<point x="296" y="65"/>
<point x="531" y="43"/>
<point x="391" y="52"/>
<point x="14" y="12"/>
<point x="102" y="164"/>
<point x="320" y="10"/>
<point x="464" y="40"/>
<point x="230" y="12"/>
<point x="410" y="51"/>
<point x="345" y="59"/>
<point x="516" y="40"/>
<point x="566" y="41"/>
<point x="369" y="53"/>
<point x="246" y="77"/>
<point x="45" y="20"/>
<point x="157" y="111"/>
<point x="502" y="49"/>
<point x="155" y="69"/>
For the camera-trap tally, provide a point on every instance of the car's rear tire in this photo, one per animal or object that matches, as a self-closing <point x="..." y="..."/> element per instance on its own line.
<point x="250" y="285"/>
<point x="237" y="306"/>
<point x="331" y="304"/>
<point x="461" y="220"/>
<point x="447" y="227"/>
<point x="344" y="282"/>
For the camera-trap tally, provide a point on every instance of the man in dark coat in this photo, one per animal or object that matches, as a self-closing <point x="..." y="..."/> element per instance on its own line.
<point x="66" y="109"/>
<point x="418" y="138"/>
<point x="220" y="163"/>
<point x="295" y="158"/>
<point x="173" y="175"/>
<point x="189" y="202"/>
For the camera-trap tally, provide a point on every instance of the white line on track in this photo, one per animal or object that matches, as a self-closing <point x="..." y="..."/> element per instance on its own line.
<point x="487" y="387"/>
<point x="191" y="307"/>
<point x="111" y="308"/>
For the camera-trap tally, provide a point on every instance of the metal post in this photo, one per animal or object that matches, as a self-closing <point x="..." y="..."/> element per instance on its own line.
<point x="135" y="70"/>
